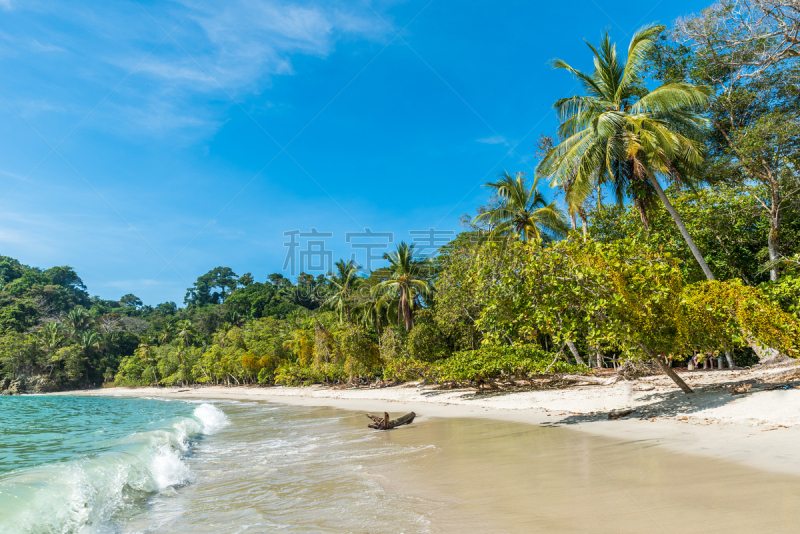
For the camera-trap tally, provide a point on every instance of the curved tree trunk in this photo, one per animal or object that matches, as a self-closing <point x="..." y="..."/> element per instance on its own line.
<point x="673" y="375"/>
<point x="681" y="226"/>
<point x="575" y="353"/>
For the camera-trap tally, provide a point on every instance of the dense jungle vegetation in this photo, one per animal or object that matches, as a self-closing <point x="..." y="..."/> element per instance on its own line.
<point x="676" y="233"/>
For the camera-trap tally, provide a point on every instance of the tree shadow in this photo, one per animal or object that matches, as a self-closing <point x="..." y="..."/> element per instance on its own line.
<point x="669" y="404"/>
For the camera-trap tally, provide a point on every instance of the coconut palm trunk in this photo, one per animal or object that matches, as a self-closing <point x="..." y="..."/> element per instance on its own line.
<point x="679" y="223"/>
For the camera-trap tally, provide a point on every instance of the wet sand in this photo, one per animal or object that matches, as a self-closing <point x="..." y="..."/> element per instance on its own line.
<point x="490" y="476"/>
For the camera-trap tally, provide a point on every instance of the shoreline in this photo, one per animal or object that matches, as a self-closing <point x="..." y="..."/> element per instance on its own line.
<point x="758" y="429"/>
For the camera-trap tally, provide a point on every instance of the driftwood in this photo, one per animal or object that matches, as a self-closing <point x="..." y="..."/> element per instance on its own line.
<point x="591" y="379"/>
<point x="385" y="423"/>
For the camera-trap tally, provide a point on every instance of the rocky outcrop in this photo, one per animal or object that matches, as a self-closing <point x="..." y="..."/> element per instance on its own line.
<point x="23" y="385"/>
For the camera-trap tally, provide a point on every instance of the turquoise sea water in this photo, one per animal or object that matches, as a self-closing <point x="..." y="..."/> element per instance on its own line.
<point x="78" y="464"/>
<point x="116" y="465"/>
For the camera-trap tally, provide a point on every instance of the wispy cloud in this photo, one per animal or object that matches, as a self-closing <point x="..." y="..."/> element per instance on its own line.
<point x="493" y="140"/>
<point x="219" y="48"/>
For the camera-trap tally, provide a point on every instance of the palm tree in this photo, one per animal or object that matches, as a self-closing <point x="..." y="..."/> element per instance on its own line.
<point x="523" y="213"/>
<point x="344" y="282"/>
<point x="186" y="334"/>
<point x="88" y="341"/>
<point x="78" y="319"/>
<point x="405" y="284"/>
<point x="626" y="136"/>
<point x="369" y="312"/>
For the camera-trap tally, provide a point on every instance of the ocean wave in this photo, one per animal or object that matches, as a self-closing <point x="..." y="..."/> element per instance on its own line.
<point x="88" y="495"/>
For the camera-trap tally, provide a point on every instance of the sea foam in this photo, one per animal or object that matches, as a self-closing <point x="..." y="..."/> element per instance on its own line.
<point x="87" y="494"/>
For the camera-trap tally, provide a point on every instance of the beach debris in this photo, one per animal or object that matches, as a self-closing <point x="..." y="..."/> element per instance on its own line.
<point x="591" y="379"/>
<point x="617" y="414"/>
<point x="739" y="389"/>
<point x="787" y="386"/>
<point x="387" y="424"/>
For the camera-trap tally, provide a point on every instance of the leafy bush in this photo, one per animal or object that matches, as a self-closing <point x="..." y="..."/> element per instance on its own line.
<point x="427" y="342"/>
<point x="291" y="374"/>
<point x="407" y="369"/>
<point x="362" y="357"/>
<point x="492" y="361"/>
<point x="393" y="345"/>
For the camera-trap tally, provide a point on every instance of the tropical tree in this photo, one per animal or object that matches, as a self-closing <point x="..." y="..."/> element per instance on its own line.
<point x="186" y="335"/>
<point x="78" y="319"/>
<point x="344" y="282"/>
<point x="523" y="212"/>
<point x="624" y="135"/>
<point x="406" y="283"/>
<point x="145" y="352"/>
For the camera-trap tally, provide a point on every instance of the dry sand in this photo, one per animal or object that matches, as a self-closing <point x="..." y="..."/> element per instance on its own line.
<point x="759" y="429"/>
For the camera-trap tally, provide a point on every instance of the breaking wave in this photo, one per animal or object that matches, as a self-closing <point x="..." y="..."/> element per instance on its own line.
<point x="87" y="495"/>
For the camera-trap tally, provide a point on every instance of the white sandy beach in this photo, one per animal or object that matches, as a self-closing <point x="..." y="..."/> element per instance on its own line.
<point x="759" y="429"/>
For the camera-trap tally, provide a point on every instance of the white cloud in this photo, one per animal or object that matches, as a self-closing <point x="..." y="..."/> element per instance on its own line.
<point x="174" y="83"/>
<point x="237" y="44"/>
<point x="493" y="140"/>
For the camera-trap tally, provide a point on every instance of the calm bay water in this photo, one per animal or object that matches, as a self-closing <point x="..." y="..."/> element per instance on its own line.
<point x="116" y="465"/>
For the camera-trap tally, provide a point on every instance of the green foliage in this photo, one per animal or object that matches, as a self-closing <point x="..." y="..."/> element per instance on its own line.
<point x="406" y="369"/>
<point x="361" y="354"/>
<point x="393" y="345"/>
<point x="18" y="315"/>
<point x="427" y="342"/>
<point x="493" y="361"/>
<point x="291" y="374"/>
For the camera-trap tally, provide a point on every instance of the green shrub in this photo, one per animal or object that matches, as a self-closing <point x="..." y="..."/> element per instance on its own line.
<point x="427" y="342"/>
<point x="407" y="369"/>
<point x="361" y="354"/>
<point x="291" y="374"/>
<point x="492" y="361"/>
<point x="393" y="344"/>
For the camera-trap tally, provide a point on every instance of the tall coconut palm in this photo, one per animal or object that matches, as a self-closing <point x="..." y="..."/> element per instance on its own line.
<point x="523" y="212"/>
<point x="344" y="283"/>
<point x="407" y="283"/>
<point x="623" y="135"/>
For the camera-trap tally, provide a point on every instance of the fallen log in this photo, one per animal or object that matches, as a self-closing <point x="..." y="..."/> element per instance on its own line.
<point x="384" y="423"/>
<point x="591" y="379"/>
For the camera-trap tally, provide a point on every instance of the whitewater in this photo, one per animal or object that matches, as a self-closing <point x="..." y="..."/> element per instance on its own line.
<point x="77" y="465"/>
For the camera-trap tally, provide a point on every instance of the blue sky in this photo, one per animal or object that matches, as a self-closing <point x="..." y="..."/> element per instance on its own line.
<point x="145" y="143"/>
